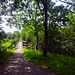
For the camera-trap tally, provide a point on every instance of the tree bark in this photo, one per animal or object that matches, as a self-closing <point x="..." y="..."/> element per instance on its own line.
<point x="46" y="33"/>
<point x="37" y="41"/>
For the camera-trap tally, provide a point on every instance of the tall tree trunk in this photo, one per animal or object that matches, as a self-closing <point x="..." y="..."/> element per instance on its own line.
<point x="46" y="33"/>
<point x="37" y="41"/>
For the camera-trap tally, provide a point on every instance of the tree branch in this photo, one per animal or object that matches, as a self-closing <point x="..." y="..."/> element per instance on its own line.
<point x="61" y="10"/>
<point x="31" y="28"/>
<point x="70" y="11"/>
<point x="67" y="3"/>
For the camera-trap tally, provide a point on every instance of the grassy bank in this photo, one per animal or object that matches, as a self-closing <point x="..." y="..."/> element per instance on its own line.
<point x="63" y="65"/>
<point x="5" y="54"/>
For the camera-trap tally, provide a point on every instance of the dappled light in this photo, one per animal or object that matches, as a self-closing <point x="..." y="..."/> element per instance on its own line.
<point x="18" y="65"/>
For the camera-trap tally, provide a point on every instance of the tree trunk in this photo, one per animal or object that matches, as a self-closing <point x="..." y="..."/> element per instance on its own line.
<point x="37" y="41"/>
<point x="46" y="33"/>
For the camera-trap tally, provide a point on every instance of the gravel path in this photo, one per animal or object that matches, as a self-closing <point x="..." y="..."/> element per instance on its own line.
<point x="17" y="65"/>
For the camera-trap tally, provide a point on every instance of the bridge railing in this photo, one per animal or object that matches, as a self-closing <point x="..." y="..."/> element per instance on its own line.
<point x="25" y="44"/>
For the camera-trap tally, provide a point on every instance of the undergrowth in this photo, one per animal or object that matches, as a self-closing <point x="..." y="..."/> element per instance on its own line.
<point x="5" y="54"/>
<point x="7" y="44"/>
<point x="62" y="65"/>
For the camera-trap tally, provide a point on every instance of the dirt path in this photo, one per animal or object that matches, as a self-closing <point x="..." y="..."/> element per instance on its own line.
<point x="17" y="65"/>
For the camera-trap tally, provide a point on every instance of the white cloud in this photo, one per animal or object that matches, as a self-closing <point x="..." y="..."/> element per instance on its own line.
<point x="59" y="3"/>
<point x="5" y="27"/>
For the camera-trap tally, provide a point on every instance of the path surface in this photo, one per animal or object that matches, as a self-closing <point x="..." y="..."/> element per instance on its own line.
<point x="17" y="65"/>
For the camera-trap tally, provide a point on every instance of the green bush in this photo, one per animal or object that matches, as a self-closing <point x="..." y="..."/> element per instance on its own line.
<point x="7" y="44"/>
<point x="5" y="54"/>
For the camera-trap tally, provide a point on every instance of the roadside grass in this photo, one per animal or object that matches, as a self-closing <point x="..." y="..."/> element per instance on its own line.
<point x="5" y="54"/>
<point x="62" y="65"/>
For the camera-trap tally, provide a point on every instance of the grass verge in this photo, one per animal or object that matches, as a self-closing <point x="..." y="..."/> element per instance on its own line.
<point x="63" y="65"/>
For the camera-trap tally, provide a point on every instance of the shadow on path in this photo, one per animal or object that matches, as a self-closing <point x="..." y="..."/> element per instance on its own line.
<point x="17" y="65"/>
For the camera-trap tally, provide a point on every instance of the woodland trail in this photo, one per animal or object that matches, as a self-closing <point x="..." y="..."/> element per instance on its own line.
<point x="18" y="65"/>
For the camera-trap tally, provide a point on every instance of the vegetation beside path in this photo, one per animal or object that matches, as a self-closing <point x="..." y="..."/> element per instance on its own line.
<point x="5" y="54"/>
<point x="59" y="63"/>
<point x="7" y="46"/>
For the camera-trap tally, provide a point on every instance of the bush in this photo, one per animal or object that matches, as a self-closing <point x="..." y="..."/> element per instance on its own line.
<point x="5" y="54"/>
<point x="3" y="51"/>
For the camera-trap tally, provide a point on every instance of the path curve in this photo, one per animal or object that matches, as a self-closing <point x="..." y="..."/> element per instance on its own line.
<point x="18" y="65"/>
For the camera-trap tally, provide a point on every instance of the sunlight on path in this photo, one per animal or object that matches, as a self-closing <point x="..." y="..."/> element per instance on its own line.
<point x="19" y="48"/>
<point x="17" y="65"/>
<point x="19" y="45"/>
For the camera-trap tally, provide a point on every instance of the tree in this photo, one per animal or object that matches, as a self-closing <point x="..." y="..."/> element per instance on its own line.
<point x="53" y="18"/>
<point x="33" y="22"/>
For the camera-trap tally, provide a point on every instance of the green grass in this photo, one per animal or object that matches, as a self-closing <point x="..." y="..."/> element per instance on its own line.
<point x="5" y="55"/>
<point x="63" y="65"/>
<point x="7" y="44"/>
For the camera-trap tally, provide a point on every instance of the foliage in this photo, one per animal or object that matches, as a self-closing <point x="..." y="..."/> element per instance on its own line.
<point x="7" y="44"/>
<point x="58" y="63"/>
<point x="5" y="54"/>
<point x="13" y="36"/>
<point x="45" y="25"/>
<point x="23" y="34"/>
<point x="2" y="35"/>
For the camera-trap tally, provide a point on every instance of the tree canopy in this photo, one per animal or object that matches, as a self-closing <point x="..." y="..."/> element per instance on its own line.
<point x="44" y="24"/>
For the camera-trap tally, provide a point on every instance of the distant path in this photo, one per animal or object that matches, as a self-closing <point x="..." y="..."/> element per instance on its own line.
<point x="17" y="65"/>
